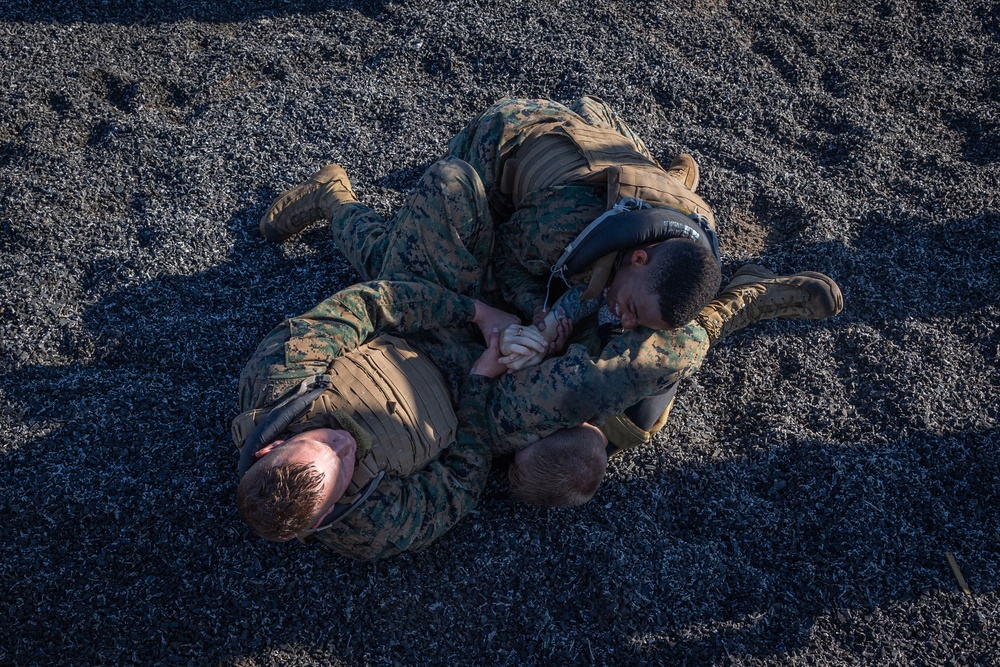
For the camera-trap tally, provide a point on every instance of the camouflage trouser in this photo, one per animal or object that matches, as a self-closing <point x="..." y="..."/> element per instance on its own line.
<point x="443" y="233"/>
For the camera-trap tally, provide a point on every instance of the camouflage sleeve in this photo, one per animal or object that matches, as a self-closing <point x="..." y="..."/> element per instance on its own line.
<point x="520" y="288"/>
<point x="409" y="513"/>
<point x="569" y="390"/>
<point x="304" y="346"/>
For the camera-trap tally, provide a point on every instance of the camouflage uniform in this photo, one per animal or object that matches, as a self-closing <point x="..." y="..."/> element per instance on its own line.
<point x="443" y="234"/>
<point x="403" y="512"/>
<point x="408" y="513"/>
<point x="532" y="233"/>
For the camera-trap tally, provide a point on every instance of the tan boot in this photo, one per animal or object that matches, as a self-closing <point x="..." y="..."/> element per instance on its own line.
<point x="308" y="202"/>
<point x="756" y="294"/>
<point x="684" y="168"/>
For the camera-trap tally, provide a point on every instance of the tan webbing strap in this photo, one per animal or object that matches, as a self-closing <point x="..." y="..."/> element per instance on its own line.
<point x="603" y="146"/>
<point x="600" y="274"/>
<point x="654" y="186"/>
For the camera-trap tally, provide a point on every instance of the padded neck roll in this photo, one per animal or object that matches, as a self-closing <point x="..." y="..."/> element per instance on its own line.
<point x="628" y="228"/>
<point x="272" y="426"/>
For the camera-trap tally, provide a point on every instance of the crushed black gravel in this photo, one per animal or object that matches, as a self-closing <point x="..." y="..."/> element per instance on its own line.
<point x="796" y="510"/>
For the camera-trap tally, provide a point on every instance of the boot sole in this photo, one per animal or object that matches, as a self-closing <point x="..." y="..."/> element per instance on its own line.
<point x="832" y="296"/>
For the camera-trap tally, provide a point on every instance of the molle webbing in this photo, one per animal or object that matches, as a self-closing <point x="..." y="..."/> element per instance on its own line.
<point x="396" y="395"/>
<point x="656" y="187"/>
<point x="544" y="159"/>
<point x="400" y="398"/>
<point x="575" y="151"/>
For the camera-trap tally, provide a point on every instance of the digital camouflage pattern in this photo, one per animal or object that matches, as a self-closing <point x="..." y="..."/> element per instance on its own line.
<point x="303" y="346"/>
<point x="411" y="512"/>
<point x="531" y="237"/>
<point x="563" y="391"/>
<point x="576" y="387"/>
<point x="404" y="512"/>
<point x="408" y="514"/>
<point x="443" y="234"/>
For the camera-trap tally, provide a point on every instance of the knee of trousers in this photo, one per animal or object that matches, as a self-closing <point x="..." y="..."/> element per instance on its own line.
<point x="454" y="177"/>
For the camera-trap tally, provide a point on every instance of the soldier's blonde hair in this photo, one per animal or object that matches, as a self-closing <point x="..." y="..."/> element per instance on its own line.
<point x="278" y="502"/>
<point x="563" y="470"/>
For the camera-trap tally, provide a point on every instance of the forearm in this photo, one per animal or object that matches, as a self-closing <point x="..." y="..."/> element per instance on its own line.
<point x="389" y="306"/>
<point x="573" y="307"/>
<point x="566" y="391"/>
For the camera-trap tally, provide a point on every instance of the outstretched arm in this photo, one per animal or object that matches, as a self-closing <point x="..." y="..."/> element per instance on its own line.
<point x="568" y="390"/>
<point x="303" y="346"/>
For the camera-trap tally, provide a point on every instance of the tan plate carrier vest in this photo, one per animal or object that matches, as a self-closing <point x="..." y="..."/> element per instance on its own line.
<point x="575" y="151"/>
<point x="395" y="394"/>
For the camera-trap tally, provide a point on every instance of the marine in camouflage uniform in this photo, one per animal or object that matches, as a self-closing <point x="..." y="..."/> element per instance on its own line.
<point x="407" y="511"/>
<point x="550" y="170"/>
<point x="444" y="234"/>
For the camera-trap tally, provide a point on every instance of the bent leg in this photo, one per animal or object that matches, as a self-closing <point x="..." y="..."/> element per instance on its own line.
<point x="488" y="139"/>
<point x="362" y="236"/>
<point x="444" y="233"/>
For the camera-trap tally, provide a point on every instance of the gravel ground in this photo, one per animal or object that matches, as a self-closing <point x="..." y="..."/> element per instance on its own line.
<point x="796" y="510"/>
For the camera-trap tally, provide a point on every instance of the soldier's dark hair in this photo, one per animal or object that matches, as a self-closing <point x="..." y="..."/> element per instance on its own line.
<point x="685" y="276"/>
<point x="564" y="469"/>
<point x="278" y="502"/>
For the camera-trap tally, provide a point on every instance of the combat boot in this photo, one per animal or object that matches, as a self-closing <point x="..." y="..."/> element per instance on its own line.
<point x="756" y="294"/>
<point x="308" y="202"/>
<point x="684" y="168"/>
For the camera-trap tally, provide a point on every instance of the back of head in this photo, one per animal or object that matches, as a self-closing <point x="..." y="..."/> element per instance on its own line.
<point x="278" y="502"/>
<point x="562" y="470"/>
<point x="685" y="276"/>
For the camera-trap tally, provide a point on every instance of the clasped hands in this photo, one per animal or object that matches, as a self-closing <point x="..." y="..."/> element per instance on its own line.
<point x="518" y="346"/>
<point x="524" y="346"/>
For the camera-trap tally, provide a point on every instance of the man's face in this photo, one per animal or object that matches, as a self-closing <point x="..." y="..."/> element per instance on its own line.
<point x="330" y="451"/>
<point x="629" y="296"/>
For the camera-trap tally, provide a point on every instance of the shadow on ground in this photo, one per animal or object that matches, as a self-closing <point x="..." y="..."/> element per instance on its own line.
<point x="147" y="12"/>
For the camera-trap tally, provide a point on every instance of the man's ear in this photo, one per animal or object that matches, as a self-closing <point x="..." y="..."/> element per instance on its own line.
<point x="640" y="257"/>
<point x="267" y="449"/>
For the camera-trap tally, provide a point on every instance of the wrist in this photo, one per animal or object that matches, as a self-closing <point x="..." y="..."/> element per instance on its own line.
<point x="551" y="330"/>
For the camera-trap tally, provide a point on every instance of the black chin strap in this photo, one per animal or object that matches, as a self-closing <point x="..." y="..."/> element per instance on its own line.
<point x="341" y="510"/>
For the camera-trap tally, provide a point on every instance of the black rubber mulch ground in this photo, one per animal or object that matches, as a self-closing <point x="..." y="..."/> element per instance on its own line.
<point x="796" y="510"/>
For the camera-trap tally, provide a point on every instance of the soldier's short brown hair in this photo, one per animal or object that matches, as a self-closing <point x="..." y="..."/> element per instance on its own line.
<point x="563" y="469"/>
<point x="279" y="502"/>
